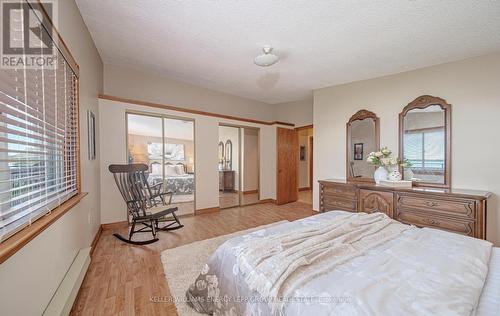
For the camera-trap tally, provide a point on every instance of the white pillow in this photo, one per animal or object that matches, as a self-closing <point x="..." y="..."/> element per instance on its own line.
<point x="156" y="168"/>
<point x="180" y="170"/>
<point x="171" y="171"/>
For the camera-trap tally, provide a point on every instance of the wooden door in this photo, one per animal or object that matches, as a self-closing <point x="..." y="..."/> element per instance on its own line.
<point x="287" y="164"/>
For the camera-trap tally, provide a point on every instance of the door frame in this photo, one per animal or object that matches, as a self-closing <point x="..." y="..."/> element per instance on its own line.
<point x="311" y="160"/>
<point x="162" y="116"/>
<point x="240" y="159"/>
<point x="310" y="143"/>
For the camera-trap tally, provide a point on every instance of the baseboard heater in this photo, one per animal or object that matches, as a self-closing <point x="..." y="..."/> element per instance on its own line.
<point x="66" y="293"/>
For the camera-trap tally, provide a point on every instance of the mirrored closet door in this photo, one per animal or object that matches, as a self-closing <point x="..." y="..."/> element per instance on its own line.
<point x="238" y="150"/>
<point x="249" y="166"/>
<point x="166" y="145"/>
<point x="229" y="163"/>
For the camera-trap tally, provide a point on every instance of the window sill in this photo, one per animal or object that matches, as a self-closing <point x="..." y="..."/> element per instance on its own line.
<point x="13" y="244"/>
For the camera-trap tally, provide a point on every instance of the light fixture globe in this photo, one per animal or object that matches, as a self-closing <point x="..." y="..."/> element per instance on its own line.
<point x="267" y="59"/>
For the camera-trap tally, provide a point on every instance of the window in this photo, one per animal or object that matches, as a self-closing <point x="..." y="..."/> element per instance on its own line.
<point x="38" y="139"/>
<point x="425" y="150"/>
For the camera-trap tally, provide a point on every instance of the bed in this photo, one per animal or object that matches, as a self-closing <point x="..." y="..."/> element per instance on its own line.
<point x="176" y="180"/>
<point x="404" y="270"/>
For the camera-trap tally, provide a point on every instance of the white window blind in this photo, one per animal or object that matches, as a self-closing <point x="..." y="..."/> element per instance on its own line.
<point x="38" y="142"/>
<point x="425" y="149"/>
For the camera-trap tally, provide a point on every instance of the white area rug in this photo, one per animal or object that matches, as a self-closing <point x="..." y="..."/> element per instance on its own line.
<point x="183" y="264"/>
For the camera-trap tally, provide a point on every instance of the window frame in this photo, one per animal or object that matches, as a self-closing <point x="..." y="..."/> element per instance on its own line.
<point x="423" y="102"/>
<point x="18" y="240"/>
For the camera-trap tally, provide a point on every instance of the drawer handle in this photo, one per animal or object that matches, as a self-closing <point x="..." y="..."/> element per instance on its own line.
<point x="431" y="221"/>
<point x="432" y="204"/>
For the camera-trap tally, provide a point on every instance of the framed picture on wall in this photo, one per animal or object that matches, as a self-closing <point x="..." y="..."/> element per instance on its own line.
<point x="302" y="153"/>
<point x="91" y="134"/>
<point x="358" y="151"/>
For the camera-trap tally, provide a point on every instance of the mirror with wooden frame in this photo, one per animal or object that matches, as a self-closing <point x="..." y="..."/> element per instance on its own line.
<point x="425" y="141"/>
<point x="363" y="137"/>
<point x="229" y="155"/>
<point x="221" y="155"/>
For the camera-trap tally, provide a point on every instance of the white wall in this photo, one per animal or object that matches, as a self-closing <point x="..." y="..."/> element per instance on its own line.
<point x="31" y="276"/>
<point x="472" y="87"/>
<point x="250" y="159"/>
<point x="113" y="150"/>
<point x="299" y="113"/>
<point x="138" y="85"/>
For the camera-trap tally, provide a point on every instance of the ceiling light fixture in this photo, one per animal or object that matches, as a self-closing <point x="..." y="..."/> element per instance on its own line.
<point x="267" y="59"/>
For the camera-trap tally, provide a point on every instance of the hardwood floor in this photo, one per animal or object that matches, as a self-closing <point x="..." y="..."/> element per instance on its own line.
<point x="122" y="278"/>
<point x="305" y="196"/>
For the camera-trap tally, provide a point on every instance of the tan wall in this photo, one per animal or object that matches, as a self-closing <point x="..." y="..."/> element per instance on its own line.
<point x="299" y="113"/>
<point x="113" y="150"/>
<point x="32" y="275"/>
<point x="134" y="84"/>
<point x="472" y="87"/>
<point x="250" y="159"/>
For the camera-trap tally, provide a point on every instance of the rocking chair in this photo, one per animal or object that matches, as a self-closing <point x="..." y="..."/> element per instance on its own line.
<point x="141" y="203"/>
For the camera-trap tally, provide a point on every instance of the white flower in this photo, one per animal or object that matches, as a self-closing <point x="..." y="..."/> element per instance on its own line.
<point x="386" y="151"/>
<point x="205" y="269"/>
<point x="385" y="161"/>
<point x="201" y="285"/>
<point x="236" y="270"/>
<point x="379" y="154"/>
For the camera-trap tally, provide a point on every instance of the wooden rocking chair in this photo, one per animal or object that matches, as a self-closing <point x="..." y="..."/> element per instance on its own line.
<point x="141" y="203"/>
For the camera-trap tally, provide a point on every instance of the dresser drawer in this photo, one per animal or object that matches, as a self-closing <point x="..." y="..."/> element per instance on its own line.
<point x="464" y="227"/>
<point x="457" y="207"/>
<point x="371" y="201"/>
<point x="342" y="191"/>
<point x="331" y="203"/>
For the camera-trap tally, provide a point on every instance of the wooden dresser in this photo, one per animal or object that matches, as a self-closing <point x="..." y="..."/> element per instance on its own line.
<point x="459" y="211"/>
<point x="227" y="180"/>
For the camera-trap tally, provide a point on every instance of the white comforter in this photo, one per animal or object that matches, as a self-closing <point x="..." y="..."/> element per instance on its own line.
<point x="418" y="272"/>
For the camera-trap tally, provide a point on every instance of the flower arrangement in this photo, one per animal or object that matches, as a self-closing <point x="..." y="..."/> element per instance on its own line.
<point x="382" y="158"/>
<point x="387" y="165"/>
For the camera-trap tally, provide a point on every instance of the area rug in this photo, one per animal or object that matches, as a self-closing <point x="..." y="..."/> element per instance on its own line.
<point x="183" y="264"/>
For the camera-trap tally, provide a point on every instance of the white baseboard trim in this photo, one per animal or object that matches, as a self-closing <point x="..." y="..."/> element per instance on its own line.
<point x="62" y="301"/>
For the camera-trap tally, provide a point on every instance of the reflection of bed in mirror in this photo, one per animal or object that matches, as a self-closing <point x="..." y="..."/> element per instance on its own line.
<point x="176" y="180"/>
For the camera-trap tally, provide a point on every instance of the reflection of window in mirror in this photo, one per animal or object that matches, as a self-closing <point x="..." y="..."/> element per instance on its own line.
<point x="424" y="143"/>
<point x="425" y="137"/>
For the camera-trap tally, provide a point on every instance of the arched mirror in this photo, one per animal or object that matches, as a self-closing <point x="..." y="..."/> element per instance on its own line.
<point x="229" y="155"/>
<point x="363" y="137"/>
<point x="425" y="141"/>
<point x="221" y="155"/>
